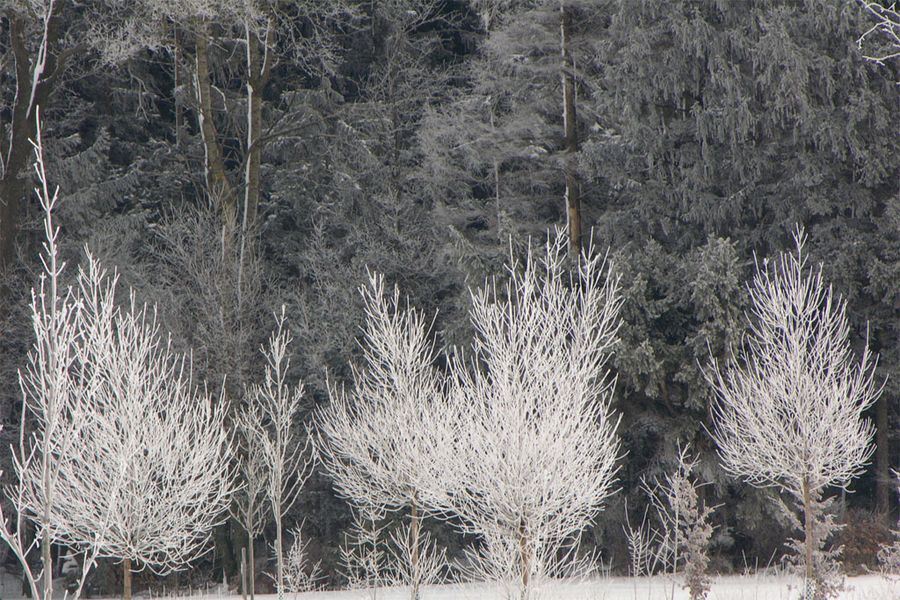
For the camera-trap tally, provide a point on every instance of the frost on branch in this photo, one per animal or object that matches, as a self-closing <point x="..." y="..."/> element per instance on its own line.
<point x="268" y="426"/>
<point x="152" y="459"/>
<point x="789" y="407"/>
<point x="385" y="442"/>
<point x="535" y="450"/>
<point x="55" y="389"/>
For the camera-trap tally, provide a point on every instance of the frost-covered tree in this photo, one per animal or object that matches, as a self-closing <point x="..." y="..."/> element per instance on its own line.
<point x="152" y="458"/>
<point x="384" y="443"/>
<point x="55" y="389"/>
<point x="268" y="422"/>
<point x="535" y="449"/>
<point x="881" y="42"/>
<point x="789" y="407"/>
<point x="250" y="507"/>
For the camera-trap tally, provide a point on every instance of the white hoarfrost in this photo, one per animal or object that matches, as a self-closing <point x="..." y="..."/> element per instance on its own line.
<point x="535" y="448"/>
<point x="267" y="423"/>
<point x="384" y="443"/>
<point x="789" y="409"/>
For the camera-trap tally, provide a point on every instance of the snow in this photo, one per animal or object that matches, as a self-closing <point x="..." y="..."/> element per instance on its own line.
<point x="748" y="587"/>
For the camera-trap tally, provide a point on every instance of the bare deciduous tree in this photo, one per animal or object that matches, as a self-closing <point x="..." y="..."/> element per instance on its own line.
<point x="535" y="451"/>
<point x="268" y="423"/>
<point x="789" y="407"/>
<point x="54" y="389"/>
<point x="882" y="40"/>
<point x="382" y="443"/>
<point x="152" y="458"/>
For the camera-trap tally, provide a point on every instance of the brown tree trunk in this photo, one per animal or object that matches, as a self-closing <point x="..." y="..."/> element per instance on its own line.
<point x="573" y="198"/>
<point x="524" y="559"/>
<point x="218" y="186"/>
<point x="414" y="551"/>
<point x="126" y="579"/>
<point x="884" y="483"/>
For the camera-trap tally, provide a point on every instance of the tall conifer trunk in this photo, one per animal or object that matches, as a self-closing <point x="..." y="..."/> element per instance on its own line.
<point x="573" y="199"/>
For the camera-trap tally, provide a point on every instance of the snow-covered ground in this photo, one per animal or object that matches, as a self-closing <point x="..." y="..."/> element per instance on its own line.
<point x="747" y="587"/>
<point x="750" y="587"/>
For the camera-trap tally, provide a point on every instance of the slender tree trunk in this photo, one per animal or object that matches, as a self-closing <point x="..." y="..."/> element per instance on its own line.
<point x="279" y="555"/>
<point x="884" y="483"/>
<point x="126" y="579"/>
<point x="525" y="559"/>
<point x="179" y="106"/>
<point x="217" y="182"/>
<point x="414" y="525"/>
<point x="243" y="574"/>
<point x="809" y="534"/>
<point x="254" y="126"/>
<point x="573" y="198"/>
<point x="252" y="566"/>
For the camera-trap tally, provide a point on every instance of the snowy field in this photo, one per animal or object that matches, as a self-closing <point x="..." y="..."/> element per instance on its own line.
<point x="751" y="587"/>
<point x="761" y="587"/>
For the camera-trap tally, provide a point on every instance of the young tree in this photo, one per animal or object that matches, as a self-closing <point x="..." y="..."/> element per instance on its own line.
<point x="535" y="448"/>
<point x="268" y="423"/>
<point x="54" y="389"/>
<point x="153" y="453"/>
<point x="384" y="443"/>
<point x="789" y="407"/>
<point x="250" y="507"/>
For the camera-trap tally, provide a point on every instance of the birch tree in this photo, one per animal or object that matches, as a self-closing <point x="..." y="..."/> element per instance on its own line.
<point x="383" y="443"/>
<point x="535" y="448"/>
<point x="789" y="406"/>
<point x="268" y="422"/>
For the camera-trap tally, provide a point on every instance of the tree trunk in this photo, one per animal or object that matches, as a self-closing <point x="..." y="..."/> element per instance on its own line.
<point x="524" y="559"/>
<point x="243" y="574"/>
<point x="279" y="555"/>
<point x="252" y="566"/>
<point x="126" y="579"/>
<point x="884" y="483"/>
<point x="254" y="127"/>
<point x="179" y="106"/>
<point x="809" y="536"/>
<point x="573" y="198"/>
<point x="217" y="184"/>
<point x="414" y="551"/>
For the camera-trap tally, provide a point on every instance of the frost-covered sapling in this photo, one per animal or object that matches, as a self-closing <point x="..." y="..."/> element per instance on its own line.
<point x="789" y="406"/>
<point x="535" y="450"/>
<point x="268" y="423"/>
<point x="385" y="442"/>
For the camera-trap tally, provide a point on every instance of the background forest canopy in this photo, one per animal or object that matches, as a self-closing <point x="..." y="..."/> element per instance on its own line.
<point x="229" y="157"/>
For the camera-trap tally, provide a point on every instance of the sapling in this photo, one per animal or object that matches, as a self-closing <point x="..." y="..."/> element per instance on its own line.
<point x="788" y="410"/>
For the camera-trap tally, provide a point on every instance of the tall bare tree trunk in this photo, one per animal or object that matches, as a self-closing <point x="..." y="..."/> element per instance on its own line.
<point x="258" y="68"/>
<point x="217" y="182"/>
<point x="884" y="483"/>
<point x="573" y="198"/>
<point x="126" y="579"/>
